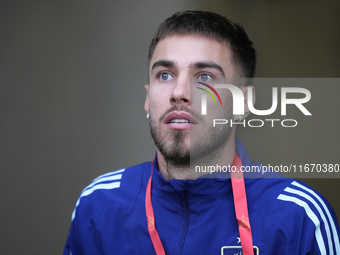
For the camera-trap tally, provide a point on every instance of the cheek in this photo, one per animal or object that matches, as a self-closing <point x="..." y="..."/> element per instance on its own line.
<point x="225" y="95"/>
<point x="158" y="97"/>
<point x="227" y="99"/>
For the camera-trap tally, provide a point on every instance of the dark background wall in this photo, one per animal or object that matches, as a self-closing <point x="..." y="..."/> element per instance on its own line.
<point x="71" y="98"/>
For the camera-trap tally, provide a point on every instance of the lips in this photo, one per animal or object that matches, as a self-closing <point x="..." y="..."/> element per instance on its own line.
<point x="177" y="117"/>
<point x="179" y="120"/>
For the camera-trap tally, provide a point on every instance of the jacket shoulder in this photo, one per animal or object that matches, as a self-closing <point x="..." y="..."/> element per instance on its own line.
<point x="118" y="187"/>
<point x="302" y="211"/>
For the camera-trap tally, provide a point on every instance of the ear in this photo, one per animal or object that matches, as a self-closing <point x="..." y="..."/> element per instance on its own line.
<point x="146" y="104"/>
<point x="246" y="90"/>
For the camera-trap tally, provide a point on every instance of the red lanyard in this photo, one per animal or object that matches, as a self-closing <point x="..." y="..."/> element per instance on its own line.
<point x="157" y="244"/>
<point x="241" y="209"/>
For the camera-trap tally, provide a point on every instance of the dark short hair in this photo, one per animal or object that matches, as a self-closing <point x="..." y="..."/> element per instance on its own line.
<point x="213" y="26"/>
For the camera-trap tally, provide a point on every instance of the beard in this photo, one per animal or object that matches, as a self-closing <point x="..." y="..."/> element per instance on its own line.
<point x="203" y="146"/>
<point x="172" y="147"/>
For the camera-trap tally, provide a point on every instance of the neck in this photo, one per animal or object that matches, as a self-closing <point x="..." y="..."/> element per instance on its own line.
<point x="224" y="157"/>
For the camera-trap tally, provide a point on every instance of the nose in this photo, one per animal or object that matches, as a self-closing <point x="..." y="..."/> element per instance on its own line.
<point x="180" y="94"/>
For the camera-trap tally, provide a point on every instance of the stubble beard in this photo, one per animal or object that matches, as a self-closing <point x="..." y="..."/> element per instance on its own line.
<point x="204" y="147"/>
<point x="208" y="146"/>
<point x="171" y="147"/>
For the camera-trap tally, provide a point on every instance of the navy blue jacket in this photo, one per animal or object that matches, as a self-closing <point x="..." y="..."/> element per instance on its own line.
<point x="198" y="216"/>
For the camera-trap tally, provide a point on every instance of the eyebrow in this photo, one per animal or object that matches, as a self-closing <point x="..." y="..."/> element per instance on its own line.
<point x="197" y="65"/>
<point x="163" y="63"/>
<point x="209" y="64"/>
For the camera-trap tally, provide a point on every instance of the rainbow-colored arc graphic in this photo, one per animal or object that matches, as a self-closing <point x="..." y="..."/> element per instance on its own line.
<point x="213" y="90"/>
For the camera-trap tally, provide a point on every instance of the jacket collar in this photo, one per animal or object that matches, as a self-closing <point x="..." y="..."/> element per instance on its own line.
<point x="214" y="186"/>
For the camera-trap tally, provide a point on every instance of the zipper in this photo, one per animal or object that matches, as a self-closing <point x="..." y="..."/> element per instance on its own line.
<point x="184" y="200"/>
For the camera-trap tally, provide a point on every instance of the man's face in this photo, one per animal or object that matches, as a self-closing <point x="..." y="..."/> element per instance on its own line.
<point x="174" y="112"/>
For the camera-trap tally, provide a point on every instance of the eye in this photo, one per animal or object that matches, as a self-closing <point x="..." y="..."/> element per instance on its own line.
<point x="205" y="77"/>
<point x="165" y="77"/>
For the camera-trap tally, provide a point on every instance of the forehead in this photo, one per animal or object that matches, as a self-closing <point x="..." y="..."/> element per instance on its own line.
<point x="185" y="50"/>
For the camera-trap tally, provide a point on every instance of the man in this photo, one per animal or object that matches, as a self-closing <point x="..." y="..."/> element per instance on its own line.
<point x="164" y="207"/>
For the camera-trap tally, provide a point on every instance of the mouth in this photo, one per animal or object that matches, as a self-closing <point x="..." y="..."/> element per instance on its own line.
<point x="179" y="120"/>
